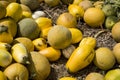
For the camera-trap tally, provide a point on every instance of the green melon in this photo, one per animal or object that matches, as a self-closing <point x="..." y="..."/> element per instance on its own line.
<point x="59" y="37"/>
<point x="27" y="27"/>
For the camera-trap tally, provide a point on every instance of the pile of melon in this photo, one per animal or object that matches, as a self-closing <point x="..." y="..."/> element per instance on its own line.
<point x="19" y="56"/>
<point x="30" y="40"/>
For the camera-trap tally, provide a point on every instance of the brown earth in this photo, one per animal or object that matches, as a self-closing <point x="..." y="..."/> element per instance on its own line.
<point x="103" y="37"/>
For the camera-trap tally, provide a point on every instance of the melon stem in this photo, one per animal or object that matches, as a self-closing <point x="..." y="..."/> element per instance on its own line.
<point x="99" y="32"/>
<point x="101" y="26"/>
<point x="17" y="77"/>
<point x="25" y="60"/>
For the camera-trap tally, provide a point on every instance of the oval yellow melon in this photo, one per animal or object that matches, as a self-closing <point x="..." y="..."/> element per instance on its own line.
<point x="59" y="37"/>
<point x="76" y="10"/>
<point x="76" y="35"/>
<point x="14" y="10"/>
<point x="44" y="32"/>
<point x="51" y="53"/>
<point x="2" y="76"/>
<point x="39" y="43"/>
<point x="26" y="14"/>
<point x="43" y="22"/>
<point x="11" y="24"/>
<point x="67" y="78"/>
<point x="25" y="41"/>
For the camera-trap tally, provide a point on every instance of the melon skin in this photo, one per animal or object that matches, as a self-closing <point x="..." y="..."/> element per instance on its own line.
<point x="32" y="4"/>
<point x="39" y="67"/>
<point x="16" y="71"/>
<point x="11" y="24"/>
<point x="27" y="27"/>
<point x="59" y="37"/>
<point x="116" y="32"/>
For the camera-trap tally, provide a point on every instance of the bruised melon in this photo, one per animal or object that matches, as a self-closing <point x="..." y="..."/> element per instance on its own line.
<point x="11" y="24"/>
<point x="28" y="28"/>
<point x="39" y="68"/>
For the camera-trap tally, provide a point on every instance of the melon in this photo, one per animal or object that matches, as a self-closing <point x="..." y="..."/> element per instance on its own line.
<point x="67" y="19"/>
<point x="25" y="8"/>
<point x="2" y="76"/>
<point x="32" y="4"/>
<point x="25" y="41"/>
<point x="39" y="67"/>
<point x="101" y="54"/>
<point x="2" y="11"/>
<point x="113" y="74"/>
<point x="59" y="37"/>
<point x="27" y="27"/>
<point x="4" y="3"/>
<point x="94" y="76"/>
<point x="14" y="11"/>
<point x="16" y="71"/>
<point x="10" y="24"/>
<point x="116" y="31"/>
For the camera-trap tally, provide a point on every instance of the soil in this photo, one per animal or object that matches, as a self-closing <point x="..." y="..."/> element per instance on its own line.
<point x="102" y="35"/>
